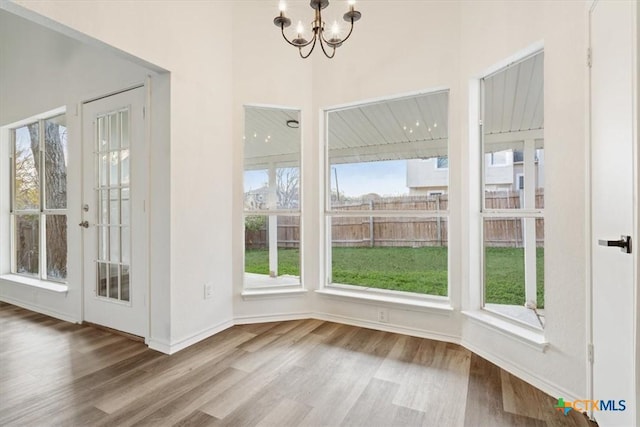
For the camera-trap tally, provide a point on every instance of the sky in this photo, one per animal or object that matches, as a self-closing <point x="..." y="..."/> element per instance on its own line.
<point x="388" y="178"/>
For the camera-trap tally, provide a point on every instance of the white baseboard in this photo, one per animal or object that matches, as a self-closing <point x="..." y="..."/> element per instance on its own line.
<point x="39" y="309"/>
<point x="174" y="347"/>
<point x="525" y="375"/>
<point x="279" y="317"/>
<point x="386" y="327"/>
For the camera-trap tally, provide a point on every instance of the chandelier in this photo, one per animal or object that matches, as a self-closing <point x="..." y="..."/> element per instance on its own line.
<point x="328" y="46"/>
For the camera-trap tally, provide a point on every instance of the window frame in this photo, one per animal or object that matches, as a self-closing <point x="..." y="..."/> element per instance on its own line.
<point x="327" y="286"/>
<point x="532" y="214"/>
<point x="276" y="289"/>
<point x="42" y="211"/>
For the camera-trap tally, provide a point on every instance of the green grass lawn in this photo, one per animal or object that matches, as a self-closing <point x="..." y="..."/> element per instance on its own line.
<point x="420" y="270"/>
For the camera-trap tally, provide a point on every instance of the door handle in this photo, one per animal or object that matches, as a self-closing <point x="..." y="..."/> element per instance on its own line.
<point x="624" y="243"/>
<point x="84" y="224"/>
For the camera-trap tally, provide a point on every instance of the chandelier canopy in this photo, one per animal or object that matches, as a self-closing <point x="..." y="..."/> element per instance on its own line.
<point x="318" y="28"/>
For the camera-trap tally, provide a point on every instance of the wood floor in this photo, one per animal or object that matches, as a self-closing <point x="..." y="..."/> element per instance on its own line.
<point x="306" y="373"/>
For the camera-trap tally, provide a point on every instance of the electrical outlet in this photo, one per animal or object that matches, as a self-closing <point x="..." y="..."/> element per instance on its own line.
<point x="208" y="290"/>
<point x="383" y="315"/>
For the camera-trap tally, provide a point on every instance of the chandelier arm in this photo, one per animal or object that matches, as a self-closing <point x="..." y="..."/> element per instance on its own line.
<point x="310" y="50"/>
<point x="348" y="35"/>
<point x="293" y="44"/>
<point x="324" y="50"/>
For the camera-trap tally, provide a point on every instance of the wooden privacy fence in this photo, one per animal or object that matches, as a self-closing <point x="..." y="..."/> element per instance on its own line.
<point x="377" y="231"/>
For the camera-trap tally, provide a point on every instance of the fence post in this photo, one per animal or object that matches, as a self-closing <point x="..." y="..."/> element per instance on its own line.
<point x="438" y="220"/>
<point x="371" y="239"/>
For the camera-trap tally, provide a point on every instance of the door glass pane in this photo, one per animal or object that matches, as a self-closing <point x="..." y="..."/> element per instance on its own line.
<point x="103" y="243"/>
<point x="27" y="244"/>
<point x="102" y="134"/>
<point x="124" y="167"/>
<point x="124" y="283"/>
<point x="103" y="170"/>
<point x="114" y="207"/>
<point x="55" y="162"/>
<point x="124" y="126"/>
<point x="126" y="237"/>
<point x="102" y="279"/>
<point x="114" y="243"/>
<point x="114" y="168"/>
<point x="57" y="247"/>
<point x="27" y="180"/>
<point x="125" y="204"/>
<point x="113" y="281"/>
<point x="114" y="131"/>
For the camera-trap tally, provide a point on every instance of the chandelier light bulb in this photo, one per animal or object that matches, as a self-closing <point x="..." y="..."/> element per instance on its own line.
<point x="300" y="28"/>
<point x="282" y="6"/>
<point x="352" y="2"/>
<point x="335" y="29"/>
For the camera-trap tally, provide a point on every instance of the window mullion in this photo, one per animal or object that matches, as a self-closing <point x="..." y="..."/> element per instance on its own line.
<point x="43" y="221"/>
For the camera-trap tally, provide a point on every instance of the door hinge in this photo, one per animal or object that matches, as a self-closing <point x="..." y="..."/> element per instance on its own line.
<point x="590" y="352"/>
<point x="589" y="57"/>
<point x="480" y="122"/>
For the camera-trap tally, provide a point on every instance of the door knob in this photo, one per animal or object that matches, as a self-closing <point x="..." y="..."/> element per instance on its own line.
<point x="624" y="243"/>
<point x="84" y="224"/>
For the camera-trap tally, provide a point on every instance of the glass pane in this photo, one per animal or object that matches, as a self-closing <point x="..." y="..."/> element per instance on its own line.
<point x="114" y="168"/>
<point x="514" y="268"/>
<point x="124" y="283"/>
<point x="57" y="247"/>
<point x="126" y="242"/>
<point x="113" y="281"/>
<point x="102" y="279"/>
<point x="125" y="204"/>
<point x="27" y="244"/>
<point x="272" y="251"/>
<point x="103" y="170"/>
<point x="114" y="131"/>
<point x="397" y="253"/>
<point x="114" y="207"/>
<point x="114" y="243"/>
<point x="55" y="165"/>
<point x="271" y="159"/>
<point x="513" y="134"/>
<point x="103" y="208"/>
<point x="124" y="167"/>
<point x="103" y="243"/>
<point x="389" y="155"/>
<point x="124" y="126"/>
<point x="27" y="179"/>
<point x="102" y="134"/>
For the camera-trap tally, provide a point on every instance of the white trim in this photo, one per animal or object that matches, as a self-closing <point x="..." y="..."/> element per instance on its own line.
<point x="274" y="107"/>
<point x="517" y="57"/>
<point x="546" y="386"/>
<point x="174" y="347"/>
<point x="40" y="309"/>
<point x="252" y="294"/>
<point x="37" y="117"/>
<point x="266" y="318"/>
<point x="440" y="305"/>
<point x="386" y="327"/>
<point x="534" y="339"/>
<point x="16" y="279"/>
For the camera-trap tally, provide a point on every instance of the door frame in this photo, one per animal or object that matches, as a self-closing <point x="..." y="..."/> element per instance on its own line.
<point x="636" y="206"/>
<point x="146" y="86"/>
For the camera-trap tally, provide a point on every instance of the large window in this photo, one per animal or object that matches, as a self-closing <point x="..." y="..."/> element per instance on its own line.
<point x="513" y="190"/>
<point x="271" y="197"/>
<point x="39" y="199"/>
<point x="387" y="181"/>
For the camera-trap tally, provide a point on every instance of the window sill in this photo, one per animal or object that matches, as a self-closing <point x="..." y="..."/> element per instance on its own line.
<point x="36" y="283"/>
<point x="252" y="294"/>
<point x="372" y="295"/>
<point x="533" y="338"/>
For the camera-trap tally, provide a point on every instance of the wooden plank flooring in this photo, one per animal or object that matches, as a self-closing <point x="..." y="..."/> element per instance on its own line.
<point x="296" y="373"/>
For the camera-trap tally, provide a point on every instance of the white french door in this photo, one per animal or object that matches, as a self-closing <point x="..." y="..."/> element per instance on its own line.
<point x="114" y="221"/>
<point x="613" y="256"/>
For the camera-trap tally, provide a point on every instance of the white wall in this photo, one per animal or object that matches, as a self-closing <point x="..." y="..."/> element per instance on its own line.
<point x="398" y="47"/>
<point x="425" y="173"/>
